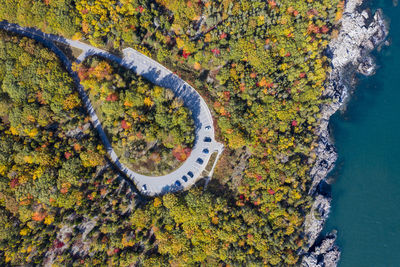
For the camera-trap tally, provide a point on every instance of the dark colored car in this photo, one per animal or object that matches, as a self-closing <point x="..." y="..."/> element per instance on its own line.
<point x="207" y="139"/>
<point x="144" y="188"/>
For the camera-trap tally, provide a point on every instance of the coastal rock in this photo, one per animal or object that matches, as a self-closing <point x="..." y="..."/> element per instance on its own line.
<point x="367" y="66"/>
<point x="325" y="254"/>
<point x="361" y="32"/>
<point x="326" y="158"/>
<point x="315" y="219"/>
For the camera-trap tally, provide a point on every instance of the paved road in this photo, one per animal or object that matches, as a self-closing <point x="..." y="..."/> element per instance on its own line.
<point x="205" y="144"/>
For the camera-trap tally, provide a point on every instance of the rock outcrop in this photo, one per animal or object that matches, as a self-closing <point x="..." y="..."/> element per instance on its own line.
<point x="324" y="254"/>
<point x="360" y="33"/>
<point x="316" y="218"/>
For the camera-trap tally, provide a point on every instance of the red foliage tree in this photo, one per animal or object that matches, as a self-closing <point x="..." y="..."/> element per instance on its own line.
<point x="140" y="9"/>
<point x="227" y="95"/>
<point x="124" y="125"/>
<point x="67" y="155"/>
<point x="185" y="54"/>
<point x="112" y="97"/>
<point x="14" y="182"/>
<point x="216" y="51"/>
<point x="180" y="153"/>
<point x="324" y="29"/>
<point x="58" y="243"/>
<point x="271" y="192"/>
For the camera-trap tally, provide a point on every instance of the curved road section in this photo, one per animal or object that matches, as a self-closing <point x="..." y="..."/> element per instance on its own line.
<point x="205" y="144"/>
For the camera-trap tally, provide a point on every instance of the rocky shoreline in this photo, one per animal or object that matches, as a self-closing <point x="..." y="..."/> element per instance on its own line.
<point x="360" y="33"/>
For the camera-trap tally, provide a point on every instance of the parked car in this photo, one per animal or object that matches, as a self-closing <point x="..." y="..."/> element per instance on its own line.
<point x="144" y="188"/>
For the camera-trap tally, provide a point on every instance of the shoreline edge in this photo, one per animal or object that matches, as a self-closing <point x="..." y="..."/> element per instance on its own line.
<point x="361" y="32"/>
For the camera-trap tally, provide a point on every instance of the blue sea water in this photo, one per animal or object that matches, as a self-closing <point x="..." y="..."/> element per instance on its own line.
<point x="366" y="193"/>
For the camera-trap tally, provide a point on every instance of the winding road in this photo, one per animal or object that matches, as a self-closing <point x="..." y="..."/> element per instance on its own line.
<point x="205" y="144"/>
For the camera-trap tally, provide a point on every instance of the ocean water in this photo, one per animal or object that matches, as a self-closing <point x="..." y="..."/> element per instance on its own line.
<point x="366" y="192"/>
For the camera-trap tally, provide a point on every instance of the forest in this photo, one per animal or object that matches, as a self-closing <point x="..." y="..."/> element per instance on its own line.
<point x="46" y="143"/>
<point x="262" y="68"/>
<point x="151" y="131"/>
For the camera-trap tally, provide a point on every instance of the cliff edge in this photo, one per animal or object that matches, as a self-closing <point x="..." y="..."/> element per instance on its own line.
<point x="360" y="33"/>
